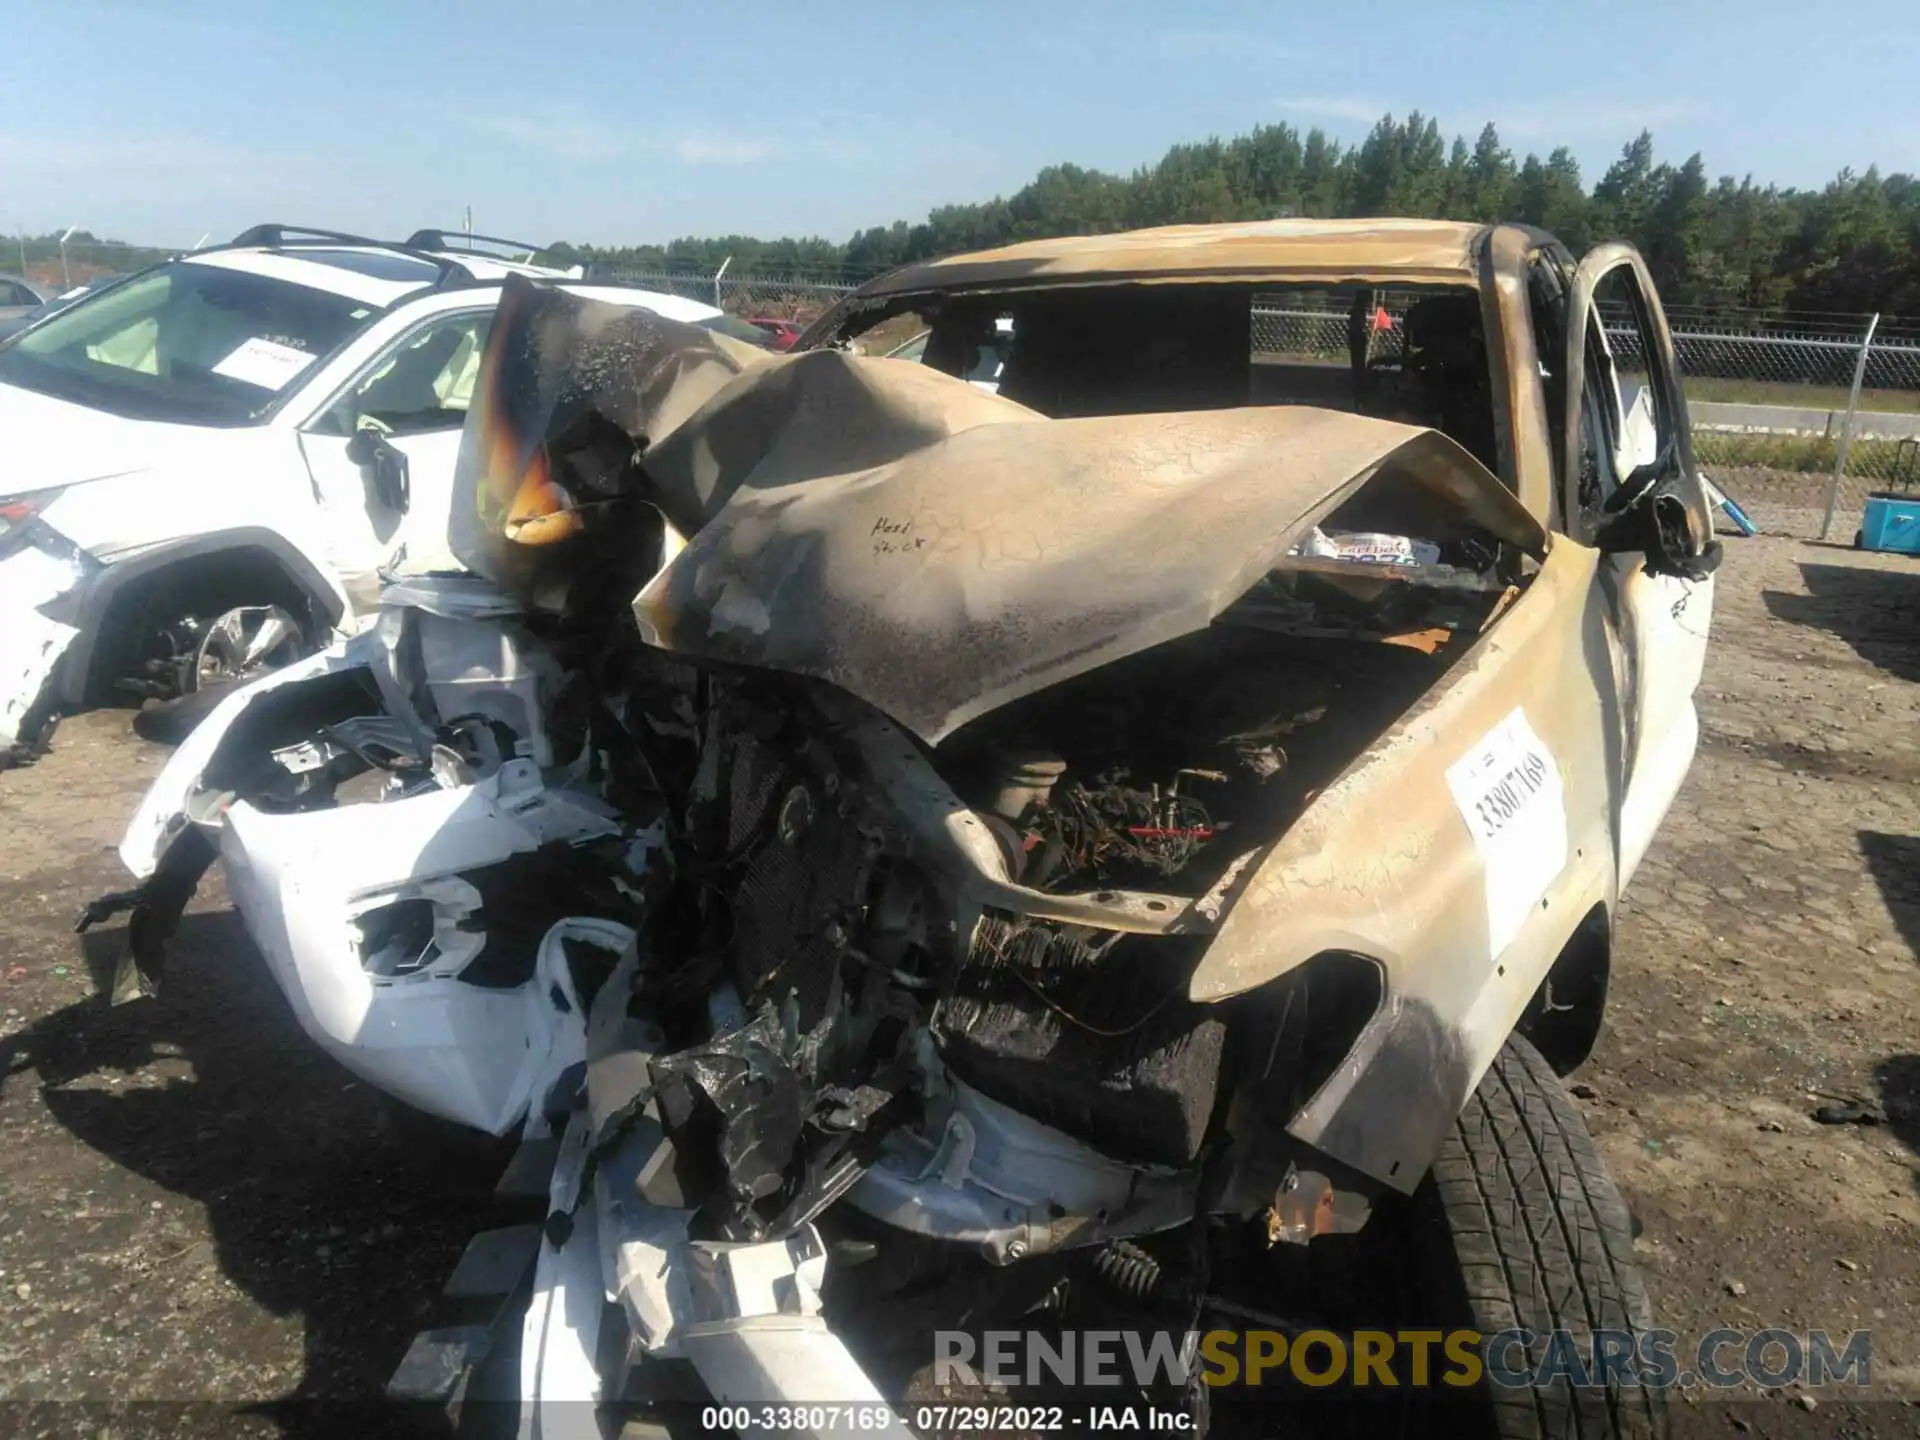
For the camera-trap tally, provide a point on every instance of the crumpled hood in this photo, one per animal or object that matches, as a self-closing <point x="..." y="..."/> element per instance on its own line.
<point x="46" y="442"/>
<point x="939" y="552"/>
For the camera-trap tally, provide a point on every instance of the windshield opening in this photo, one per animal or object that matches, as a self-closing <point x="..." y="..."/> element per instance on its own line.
<point x="1414" y="354"/>
<point x="195" y="344"/>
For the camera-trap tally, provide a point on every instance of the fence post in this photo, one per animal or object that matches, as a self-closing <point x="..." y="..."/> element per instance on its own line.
<point x="723" y="270"/>
<point x="1846" y="430"/>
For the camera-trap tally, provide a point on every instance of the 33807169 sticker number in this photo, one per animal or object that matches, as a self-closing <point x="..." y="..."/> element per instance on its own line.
<point x="1508" y="791"/>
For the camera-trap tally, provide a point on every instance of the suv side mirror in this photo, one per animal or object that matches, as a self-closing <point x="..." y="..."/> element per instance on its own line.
<point x="384" y="467"/>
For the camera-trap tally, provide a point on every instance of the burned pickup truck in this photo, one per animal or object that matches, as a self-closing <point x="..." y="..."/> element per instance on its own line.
<point x="907" y="857"/>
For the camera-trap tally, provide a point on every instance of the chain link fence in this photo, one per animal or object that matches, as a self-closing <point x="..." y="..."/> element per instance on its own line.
<point x="53" y="268"/>
<point x="748" y="296"/>
<point x="1801" y="418"/>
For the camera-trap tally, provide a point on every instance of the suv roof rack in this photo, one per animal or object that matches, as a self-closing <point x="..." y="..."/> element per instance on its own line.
<point x="421" y="245"/>
<point x="462" y="243"/>
<point x="275" y="236"/>
<point x="272" y="236"/>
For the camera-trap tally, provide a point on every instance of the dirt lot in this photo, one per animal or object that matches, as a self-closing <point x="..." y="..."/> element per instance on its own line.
<point x="196" y="1207"/>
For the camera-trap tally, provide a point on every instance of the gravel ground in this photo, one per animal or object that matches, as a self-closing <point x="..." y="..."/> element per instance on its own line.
<point x="200" y="1213"/>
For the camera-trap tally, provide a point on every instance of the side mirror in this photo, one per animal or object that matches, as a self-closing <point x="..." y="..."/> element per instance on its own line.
<point x="1645" y="517"/>
<point x="384" y="467"/>
<point x="1642" y="480"/>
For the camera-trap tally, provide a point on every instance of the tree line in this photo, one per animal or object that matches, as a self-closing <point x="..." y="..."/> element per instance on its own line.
<point x="1852" y="245"/>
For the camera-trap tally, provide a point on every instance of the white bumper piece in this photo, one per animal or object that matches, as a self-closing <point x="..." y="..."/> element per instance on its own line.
<point x="309" y="887"/>
<point x="30" y="644"/>
<point x="163" y="809"/>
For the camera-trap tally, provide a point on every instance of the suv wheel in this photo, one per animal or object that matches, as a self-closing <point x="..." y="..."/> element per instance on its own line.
<point x="240" y="644"/>
<point x="244" y="642"/>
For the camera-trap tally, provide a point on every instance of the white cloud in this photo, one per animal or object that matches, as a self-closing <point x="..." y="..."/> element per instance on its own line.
<point x="720" y="149"/>
<point x="1335" y="107"/>
<point x="1230" y="47"/>
<point x="564" y="132"/>
<point x="570" y="133"/>
<point x="176" y="154"/>
<point x="1576" y="118"/>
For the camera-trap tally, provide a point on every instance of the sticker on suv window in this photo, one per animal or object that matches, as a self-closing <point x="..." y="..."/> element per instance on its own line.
<point x="265" y="363"/>
<point x="1508" y="790"/>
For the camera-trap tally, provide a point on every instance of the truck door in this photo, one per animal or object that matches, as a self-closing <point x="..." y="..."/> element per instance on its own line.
<point x="1630" y="487"/>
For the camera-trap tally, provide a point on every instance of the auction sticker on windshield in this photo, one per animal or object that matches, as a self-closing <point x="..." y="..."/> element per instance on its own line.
<point x="1508" y="791"/>
<point x="265" y="363"/>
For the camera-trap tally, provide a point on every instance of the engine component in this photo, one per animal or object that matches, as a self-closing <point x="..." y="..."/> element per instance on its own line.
<point x="1087" y="1031"/>
<point x="1024" y="779"/>
<point x="983" y="1175"/>
<point x="1113" y="833"/>
<point x="804" y="864"/>
<point x="1130" y="1272"/>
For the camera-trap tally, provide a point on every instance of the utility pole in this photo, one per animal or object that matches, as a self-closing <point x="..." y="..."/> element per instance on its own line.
<point x="66" y="272"/>
<point x="469" y="224"/>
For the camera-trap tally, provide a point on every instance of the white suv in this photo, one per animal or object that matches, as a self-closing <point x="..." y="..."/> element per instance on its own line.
<point x="208" y="467"/>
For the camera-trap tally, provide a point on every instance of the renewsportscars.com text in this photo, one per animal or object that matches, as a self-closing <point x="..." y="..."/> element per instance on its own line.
<point x="1457" y="1359"/>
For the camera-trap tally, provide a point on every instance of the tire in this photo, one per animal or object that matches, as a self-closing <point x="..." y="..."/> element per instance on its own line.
<point x="214" y="676"/>
<point x="1528" y="1232"/>
<point x="169" y="722"/>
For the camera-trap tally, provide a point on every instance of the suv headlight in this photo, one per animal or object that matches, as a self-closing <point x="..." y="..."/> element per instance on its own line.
<point x="52" y="563"/>
<point x="16" y="510"/>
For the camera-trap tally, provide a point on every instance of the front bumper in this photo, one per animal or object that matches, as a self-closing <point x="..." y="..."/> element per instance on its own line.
<point x="31" y="642"/>
<point x="375" y="917"/>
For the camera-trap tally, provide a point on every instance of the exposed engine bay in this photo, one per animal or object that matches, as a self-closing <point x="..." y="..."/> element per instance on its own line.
<point x="828" y="1007"/>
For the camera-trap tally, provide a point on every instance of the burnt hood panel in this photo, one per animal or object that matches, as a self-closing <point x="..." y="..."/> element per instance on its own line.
<point x="938" y="551"/>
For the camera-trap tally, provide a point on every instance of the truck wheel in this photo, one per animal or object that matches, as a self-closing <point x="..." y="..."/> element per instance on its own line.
<point x="1528" y="1233"/>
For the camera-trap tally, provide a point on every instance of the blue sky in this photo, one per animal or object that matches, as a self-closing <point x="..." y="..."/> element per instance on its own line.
<point x="156" y="121"/>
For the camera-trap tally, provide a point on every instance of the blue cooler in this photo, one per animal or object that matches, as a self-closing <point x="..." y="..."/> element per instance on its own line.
<point x="1892" y="522"/>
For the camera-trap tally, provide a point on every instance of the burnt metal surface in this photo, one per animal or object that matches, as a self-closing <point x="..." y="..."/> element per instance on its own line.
<point x="1092" y="1034"/>
<point x="937" y="553"/>
<point x="1343" y="249"/>
<point x="1382" y="865"/>
<point x="569" y="390"/>
<point x="939" y="576"/>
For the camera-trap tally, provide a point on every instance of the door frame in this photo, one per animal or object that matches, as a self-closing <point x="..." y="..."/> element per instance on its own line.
<point x="1663" y="381"/>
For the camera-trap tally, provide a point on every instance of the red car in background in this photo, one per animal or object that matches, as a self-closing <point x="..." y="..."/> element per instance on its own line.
<point x="784" y="332"/>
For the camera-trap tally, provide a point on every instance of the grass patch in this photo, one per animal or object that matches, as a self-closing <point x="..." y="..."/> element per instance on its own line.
<point x="1893" y="461"/>
<point x="1809" y="397"/>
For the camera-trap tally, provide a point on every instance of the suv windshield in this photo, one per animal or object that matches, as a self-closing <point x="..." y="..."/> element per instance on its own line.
<point x="196" y="344"/>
